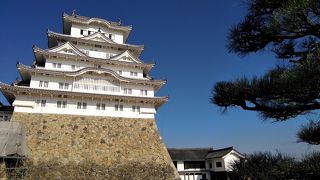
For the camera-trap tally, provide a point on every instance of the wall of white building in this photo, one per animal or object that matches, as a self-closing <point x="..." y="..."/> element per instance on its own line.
<point x="67" y="66"/>
<point x="76" y="29"/>
<point x="32" y="104"/>
<point x="53" y="84"/>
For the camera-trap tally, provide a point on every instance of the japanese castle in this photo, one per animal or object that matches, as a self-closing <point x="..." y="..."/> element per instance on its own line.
<point x="89" y="69"/>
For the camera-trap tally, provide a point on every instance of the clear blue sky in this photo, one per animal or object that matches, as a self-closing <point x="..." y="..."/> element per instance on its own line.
<point x="187" y="39"/>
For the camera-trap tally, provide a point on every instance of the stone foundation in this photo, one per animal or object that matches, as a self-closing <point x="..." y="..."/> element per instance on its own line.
<point x="86" y="147"/>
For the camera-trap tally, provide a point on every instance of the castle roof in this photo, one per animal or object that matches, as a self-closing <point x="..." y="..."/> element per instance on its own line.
<point x="10" y="91"/>
<point x="42" y="54"/>
<point x="219" y="153"/>
<point x="54" y="38"/>
<point x="25" y="72"/>
<point x="188" y="154"/>
<point x="69" y="19"/>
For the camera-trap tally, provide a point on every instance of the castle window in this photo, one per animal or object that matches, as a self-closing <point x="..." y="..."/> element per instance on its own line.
<point x="81" y="31"/>
<point x="61" y="85"/>
<point x="89" y="32"/>
<point x="138" y="108"/>
<point x="79" y="105"/>
<point x="98" y="46"/>
<point x="131" y="73"/>
<point x="125" y="91"/>
<point x="129" y="91"/>
<point x="40" y="83"/>
<point x="121" y="107"/>
<point x="45" y="84"/>
<point x="103" y="106"/>
<point x="218" y="164"/>
<point x="135" y="74"/>
<point x="84" y="105"/>
<point x="133" y="108"/>
<point x="59" y="65"/>
<point x="120" y="72"/>
<point x="98" y="106"/>
<point x="116" y="107"/>
<point x="58" y="104"/>
<point x="43" y="103"/>
<point x="66" y="85"/>
<point x="73" y="67"/>
<point x="64" y="104"/>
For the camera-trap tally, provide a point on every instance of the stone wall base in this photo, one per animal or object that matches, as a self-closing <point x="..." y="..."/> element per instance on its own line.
<point x="86" y="147"/>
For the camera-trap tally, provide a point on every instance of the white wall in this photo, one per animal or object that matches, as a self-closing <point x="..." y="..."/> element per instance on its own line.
<point x="75" y="31"/>
<point x="229" y="160"/>
<point x="55" y="80"/>
<point x="25" y="103"/>
<point x="67" y="66"/>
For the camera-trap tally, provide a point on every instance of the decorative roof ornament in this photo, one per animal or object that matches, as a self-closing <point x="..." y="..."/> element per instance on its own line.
<point x="74" y="13"/>
<point x="119" y="21"/>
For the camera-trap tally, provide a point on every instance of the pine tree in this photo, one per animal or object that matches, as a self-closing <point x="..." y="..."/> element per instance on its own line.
<point x="291" y="30"/>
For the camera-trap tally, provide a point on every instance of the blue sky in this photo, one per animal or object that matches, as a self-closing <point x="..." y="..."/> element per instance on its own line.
<point x="187" y="40"/>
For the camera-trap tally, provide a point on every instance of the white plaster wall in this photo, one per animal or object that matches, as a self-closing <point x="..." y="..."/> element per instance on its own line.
<point x="67" y="66"/>
<point x="75" y="31"/>
<point x="180" y="165"/>
<point x="55" y="80"/>
<point x="27" y="104"/>
<point x="229" y="160"/>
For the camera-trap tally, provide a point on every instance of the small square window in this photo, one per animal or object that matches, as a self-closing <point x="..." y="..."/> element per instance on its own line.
<point x="43" y="103"/>
<point x="66" y="85"/>
<point x="45" y="84"/>
<point x="218" y="164"/>
<point x="73" y="67"/>
<point x="84" y="105"/>
<point x="59" y="65"/>
<point x="79" y="105"/>
<point x="129" y="91"/>
<point x="58" y="104"/>
<point x="61" y="85"/>
<point x="64" y="104"/>
<point x="135" y="74"/>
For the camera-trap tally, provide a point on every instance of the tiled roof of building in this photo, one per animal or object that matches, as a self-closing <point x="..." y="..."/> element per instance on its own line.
<point x="188" y="154"/>
<point x="222" y="152"/>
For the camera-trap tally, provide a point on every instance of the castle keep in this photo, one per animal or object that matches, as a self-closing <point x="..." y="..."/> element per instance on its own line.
<point x="88" y="106"/>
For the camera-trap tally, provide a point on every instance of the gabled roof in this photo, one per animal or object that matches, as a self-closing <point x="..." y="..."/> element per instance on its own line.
<point x="188" y="154"/>
<point x="41" y="54"/>
<point x="69" y="46"/>
<point x="98" y="36"/>
<point x="220" y="153"/>
<point x="55" y="38"/>
<point x="69" y="19"/>
<point x="25" y="72"/>
<point x="129" y="57"/>
<point x="10" y="91"/>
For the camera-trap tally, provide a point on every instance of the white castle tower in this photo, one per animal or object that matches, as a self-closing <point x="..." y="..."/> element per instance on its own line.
<point x="87" y="70"/>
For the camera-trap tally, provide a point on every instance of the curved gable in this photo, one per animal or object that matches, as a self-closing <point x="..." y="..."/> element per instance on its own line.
<point x="67" y="48"/>
<point x="127" y="57"/>
<point x="98" y="36"/>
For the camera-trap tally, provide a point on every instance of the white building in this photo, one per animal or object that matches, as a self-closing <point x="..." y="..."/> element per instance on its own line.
<point x="87" y="70"/>
<point x="205" y="163"/>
